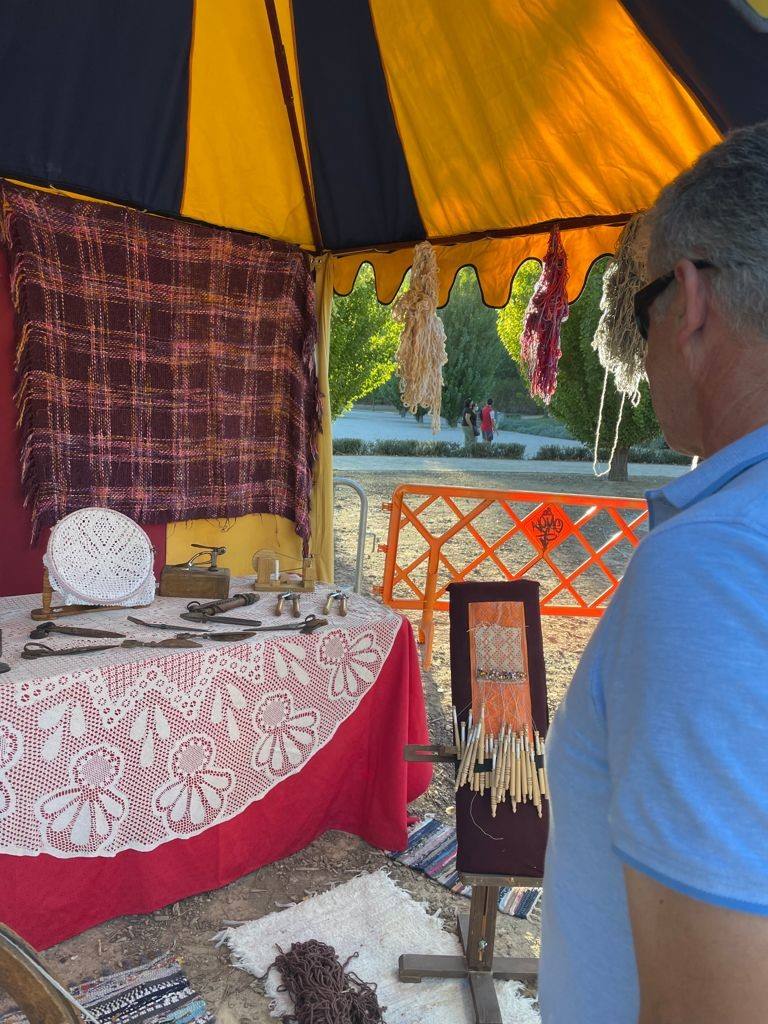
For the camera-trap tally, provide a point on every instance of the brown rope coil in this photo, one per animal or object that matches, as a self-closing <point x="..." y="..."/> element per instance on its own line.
<point x="322" y="990"/>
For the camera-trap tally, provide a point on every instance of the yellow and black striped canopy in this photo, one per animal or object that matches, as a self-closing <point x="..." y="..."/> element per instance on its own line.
<point x="361" y="127"/>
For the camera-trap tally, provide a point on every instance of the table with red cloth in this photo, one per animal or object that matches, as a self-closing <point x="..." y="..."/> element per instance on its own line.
<point x="132" y="778"/>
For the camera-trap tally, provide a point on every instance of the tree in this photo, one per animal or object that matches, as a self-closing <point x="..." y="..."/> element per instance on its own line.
<point x="475" y="355"/>
<point x="509" y="320"/>
<point x="580" y="376"/>
<point x="363" y="343"/>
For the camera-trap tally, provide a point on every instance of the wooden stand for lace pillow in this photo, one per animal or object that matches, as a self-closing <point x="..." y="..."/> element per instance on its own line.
<point x="51" y="611"/>
<point x="493" y="852"/>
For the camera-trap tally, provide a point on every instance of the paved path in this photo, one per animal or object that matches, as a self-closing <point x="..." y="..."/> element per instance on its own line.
<point x="349" y="464"/>
<point x="381" y="424"/>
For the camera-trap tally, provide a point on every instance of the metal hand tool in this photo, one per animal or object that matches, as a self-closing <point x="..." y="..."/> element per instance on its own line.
<point x="199" y="632"/>
<point x="342" y="596"/>
<point x="308" y="625"/>
<point x="32" y="651"/>
<point x="217" y="607"/>
<point x="228" y="635"/>
<point x="4" y="666"/>
<point x="182" y="640"/>
<point x="164" y="625"/>
<point x="230" y="620"/>
<point x="35" y="650"/>
<point x="294" y="599"/>
<point x="45" y="628"/>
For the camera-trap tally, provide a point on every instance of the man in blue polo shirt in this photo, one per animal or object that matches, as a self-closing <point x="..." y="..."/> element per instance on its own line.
<point x="656" y="881"/>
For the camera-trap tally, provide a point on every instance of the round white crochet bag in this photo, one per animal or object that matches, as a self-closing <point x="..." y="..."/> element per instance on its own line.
<point x="101" y="557"/>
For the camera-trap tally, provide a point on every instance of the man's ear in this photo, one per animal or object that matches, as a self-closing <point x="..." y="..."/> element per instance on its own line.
<point x="692" y="306"/>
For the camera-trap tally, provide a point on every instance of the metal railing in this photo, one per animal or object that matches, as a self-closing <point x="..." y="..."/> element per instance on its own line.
<point x="362" y="525"/>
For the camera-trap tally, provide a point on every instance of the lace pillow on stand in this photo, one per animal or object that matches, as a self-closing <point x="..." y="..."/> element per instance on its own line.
<point x="96" y="556"/>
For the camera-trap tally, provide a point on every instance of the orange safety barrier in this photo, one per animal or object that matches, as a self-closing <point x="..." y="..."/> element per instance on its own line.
<point x="576" y="545"/>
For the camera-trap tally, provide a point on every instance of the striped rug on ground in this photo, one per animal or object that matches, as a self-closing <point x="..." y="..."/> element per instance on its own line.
<point x="157" y="992"/>
<point x="432" y="850"/>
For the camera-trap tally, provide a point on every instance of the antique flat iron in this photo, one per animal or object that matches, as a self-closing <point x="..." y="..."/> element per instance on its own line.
<point x="199" y="576"/>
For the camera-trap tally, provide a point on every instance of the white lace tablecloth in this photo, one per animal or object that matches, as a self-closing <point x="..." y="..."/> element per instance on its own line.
<point x="130" y="748"/>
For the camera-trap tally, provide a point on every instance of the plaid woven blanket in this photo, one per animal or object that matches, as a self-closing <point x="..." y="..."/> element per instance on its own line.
<point x="166" y="369"/>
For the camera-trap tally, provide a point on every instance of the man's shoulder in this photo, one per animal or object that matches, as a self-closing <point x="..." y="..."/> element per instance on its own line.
<point x="703" y="550"/>
<point x="741" y="507"/>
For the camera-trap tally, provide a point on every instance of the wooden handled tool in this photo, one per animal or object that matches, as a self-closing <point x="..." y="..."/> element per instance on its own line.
<point x="219" y="607"/>
<point x="295" y="602"/>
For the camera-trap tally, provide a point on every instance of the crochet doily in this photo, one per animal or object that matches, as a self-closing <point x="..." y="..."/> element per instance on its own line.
<point x="98" y="556"/>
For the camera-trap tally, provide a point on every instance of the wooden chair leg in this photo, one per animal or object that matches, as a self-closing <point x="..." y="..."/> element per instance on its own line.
<point x="21" y="976"/>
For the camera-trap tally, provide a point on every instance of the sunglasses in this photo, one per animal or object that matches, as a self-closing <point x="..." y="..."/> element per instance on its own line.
<point x="645" y="297"/>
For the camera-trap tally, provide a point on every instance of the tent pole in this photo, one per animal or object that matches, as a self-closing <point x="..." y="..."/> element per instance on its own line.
<point x="322" y="486"/>
<point x="290" y="106"/>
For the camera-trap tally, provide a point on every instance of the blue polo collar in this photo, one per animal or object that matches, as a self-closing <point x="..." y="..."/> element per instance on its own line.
<point x="709" y="476"/>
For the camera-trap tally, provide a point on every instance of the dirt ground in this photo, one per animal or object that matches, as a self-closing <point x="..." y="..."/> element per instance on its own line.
<point x="189" y="926"/>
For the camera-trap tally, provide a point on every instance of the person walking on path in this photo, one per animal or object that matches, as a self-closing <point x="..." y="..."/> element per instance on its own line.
<point x="488" y="421"/>
<point x="655" y="905"/>
<point x="469" y="423"/>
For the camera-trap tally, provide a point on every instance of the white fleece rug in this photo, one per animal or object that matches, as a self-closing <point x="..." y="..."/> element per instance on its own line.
<point x="372" y="915"/>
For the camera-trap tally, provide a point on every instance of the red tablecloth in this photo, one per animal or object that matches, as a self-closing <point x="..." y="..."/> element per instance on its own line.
<point x="358" y="783"/>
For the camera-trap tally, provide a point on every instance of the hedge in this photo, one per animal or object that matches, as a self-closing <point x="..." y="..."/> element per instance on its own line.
<point x="495" y="450"/>
<point x="563" y="453"/>
<point x="580" y="453"/>
<point x="427" y="449"/>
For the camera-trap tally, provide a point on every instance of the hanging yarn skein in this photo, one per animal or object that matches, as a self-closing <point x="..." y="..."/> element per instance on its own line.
<point x="548" y="308"/>
<point x="617" y="341"/>
<point x="421" y="354"/>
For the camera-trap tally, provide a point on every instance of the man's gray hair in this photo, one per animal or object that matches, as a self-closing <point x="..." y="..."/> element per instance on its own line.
<point x="717" y="210"/>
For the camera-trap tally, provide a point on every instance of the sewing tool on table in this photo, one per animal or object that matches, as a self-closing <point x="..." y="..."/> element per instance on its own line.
<point x="37" y="650"/>
<point x="293" y="599"/>
<point x="199" y="632"/>
<point x="271" y="578"/>
<point x="307" y="625"/>
<point x="175" y="629"/>
<point x="339" y="596"/>
<point x="227" y="605"/>
<point x="199" y="576"/>
<point x="46" y="628"/>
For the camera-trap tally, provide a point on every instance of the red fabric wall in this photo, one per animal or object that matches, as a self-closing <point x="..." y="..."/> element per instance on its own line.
<point x="21" y="564"/>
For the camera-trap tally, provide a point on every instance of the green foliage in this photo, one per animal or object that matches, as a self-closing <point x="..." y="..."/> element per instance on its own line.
<point x="509" y="320"/>
<point x="349" y="446"/>
<point x="475" y="355"/>
<point x="563" y="453"/>
<point x="659" y="456"/>
<point x="426" y="449"/>
<point x="363" y="344"/>
<point x="580" y="377"/>
<point x="541" y="426"/>
<point x="580" y="453"/>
